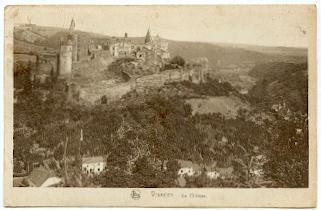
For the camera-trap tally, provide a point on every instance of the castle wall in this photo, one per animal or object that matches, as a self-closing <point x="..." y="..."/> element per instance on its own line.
<point x="101" y="60"/>
<point x="93" y="93"/>
<point x="168" y="76"/>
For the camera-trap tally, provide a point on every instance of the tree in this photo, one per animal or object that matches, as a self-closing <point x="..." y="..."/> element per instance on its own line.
<point x="103" y="99"/>
<point x="178" y="60"/>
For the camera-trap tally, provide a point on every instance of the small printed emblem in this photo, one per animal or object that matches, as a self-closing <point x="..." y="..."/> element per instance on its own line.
<point x="135" y="194"/>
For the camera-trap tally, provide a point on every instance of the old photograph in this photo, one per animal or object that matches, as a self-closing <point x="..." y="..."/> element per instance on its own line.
<point x="183" y="97"/>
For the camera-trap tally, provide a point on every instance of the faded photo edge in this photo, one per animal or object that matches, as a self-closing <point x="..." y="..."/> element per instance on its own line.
<point x="171" y="197"/>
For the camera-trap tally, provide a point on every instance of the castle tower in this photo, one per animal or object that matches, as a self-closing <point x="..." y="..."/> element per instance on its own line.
<point x="148" y="37"/>
<point x="74" y="38"/>
<point x="75" y="48"/>
<point x="72" y="25"/>
<point x="65" y="59"/>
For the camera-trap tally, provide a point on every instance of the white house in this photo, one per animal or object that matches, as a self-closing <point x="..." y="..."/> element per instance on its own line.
<point x="298" y="131"/>
<point x="188" y="171"/>
<point x="212" y="174"/>
<point x="51" y="181"/>
<point x="93" y="165"/>
<point x="188" y="168"/>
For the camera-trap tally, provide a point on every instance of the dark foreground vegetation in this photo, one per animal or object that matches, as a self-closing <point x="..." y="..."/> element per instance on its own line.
<point x="142" y="137"/>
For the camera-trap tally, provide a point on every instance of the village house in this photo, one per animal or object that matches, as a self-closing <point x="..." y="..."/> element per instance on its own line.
<point x="210" y="171"/>
<point x="226" y="172"/>
<point x="213" y="174"/>
<point x="42" y="177"/>
<point x="93" y="165"/>
<point x="188" y="168"/>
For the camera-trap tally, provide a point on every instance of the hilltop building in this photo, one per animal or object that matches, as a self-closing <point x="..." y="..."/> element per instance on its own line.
<point x="155" y="47"/>
<point x="152" y="51"/>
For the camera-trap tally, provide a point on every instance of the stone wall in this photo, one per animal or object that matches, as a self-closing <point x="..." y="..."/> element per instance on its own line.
<point x="95" y="92"/>
<point x="168" y="76"/>
<point x="99" y="62"/>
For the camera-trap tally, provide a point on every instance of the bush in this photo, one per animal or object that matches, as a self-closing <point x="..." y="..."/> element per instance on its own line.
<point x="178" y="60"/>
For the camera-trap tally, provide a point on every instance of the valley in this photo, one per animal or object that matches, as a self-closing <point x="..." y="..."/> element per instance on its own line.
<point x="154" y="112"/>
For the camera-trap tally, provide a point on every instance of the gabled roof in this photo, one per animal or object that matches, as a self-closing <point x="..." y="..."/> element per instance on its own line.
<point x="72" y="25"/>
<point x="95" y="159"/>
<point x="39" y="175"/>
<point x="148" y="37"/>
<point x="189" y="164"/>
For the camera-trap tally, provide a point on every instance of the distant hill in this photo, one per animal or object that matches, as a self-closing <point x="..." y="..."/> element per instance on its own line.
<point x="285" y="51"/>
<point x="230" y="54"/>
<point x="226" y="53"/>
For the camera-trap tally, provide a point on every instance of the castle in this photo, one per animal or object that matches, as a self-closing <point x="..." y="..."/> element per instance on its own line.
<point x="152" y="51"/>
<point x="151" y="45"/>
<point x="81" y="62"/>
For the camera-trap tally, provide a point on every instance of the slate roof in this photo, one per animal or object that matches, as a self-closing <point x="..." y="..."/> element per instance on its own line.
<point x="39" y="175"/>
<point x="95" y="159"/>
<point x="189" y="164"/>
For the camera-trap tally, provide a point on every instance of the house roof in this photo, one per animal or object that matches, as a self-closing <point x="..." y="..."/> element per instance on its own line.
<point x="189" y="164"/>
<point x="95" y="159"/>
<point x="39" y="175"/>
<point x="18" y="182"/>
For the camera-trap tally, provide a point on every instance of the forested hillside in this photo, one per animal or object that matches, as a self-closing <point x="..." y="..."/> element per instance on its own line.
<point x="228" y="54"/>
<point x="281" y="82"/>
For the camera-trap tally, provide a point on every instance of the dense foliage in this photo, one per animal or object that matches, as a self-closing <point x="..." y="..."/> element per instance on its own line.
<point x="281" y="82"/>
<point x="178" y="60"/>
<point x="143" y="136"/>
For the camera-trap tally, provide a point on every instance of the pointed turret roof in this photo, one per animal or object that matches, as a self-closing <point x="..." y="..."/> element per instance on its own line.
<point x="148" y="37"/>
<point x="72" y="25"/>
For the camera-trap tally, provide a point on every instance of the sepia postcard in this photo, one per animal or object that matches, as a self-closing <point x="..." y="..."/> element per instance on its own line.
<point x="160" y="106"/>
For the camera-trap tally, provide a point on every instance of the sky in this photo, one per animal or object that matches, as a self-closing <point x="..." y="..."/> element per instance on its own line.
<point x="256" y="25"/>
